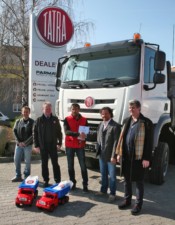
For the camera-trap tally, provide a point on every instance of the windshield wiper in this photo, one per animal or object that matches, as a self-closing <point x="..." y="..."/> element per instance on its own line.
<point x="111" y="82"/>
<point x="77" y="84"/>
<point x="104" y="79"/>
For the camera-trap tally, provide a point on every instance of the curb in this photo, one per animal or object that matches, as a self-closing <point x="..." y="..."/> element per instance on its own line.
<point x="34" y="157"/>
<point x="11" y="159"/>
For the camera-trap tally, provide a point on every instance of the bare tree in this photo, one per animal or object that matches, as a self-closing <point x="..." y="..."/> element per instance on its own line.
<point x="14" y="36"/>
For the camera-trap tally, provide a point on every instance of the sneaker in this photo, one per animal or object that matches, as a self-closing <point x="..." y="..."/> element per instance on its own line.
<point x="111" y="198"/>
<point x="73" y="187"/>
<point x="135" y="210"/>
<point x="100" y="193"/>
<point x="17" y="179"/>
<point x="124" y="204"/>
<point x="57" y="181"/>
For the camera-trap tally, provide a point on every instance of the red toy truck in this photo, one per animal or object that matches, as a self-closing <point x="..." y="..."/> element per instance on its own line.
<point x="27" y="191"/>
<point x="54" y="195"/>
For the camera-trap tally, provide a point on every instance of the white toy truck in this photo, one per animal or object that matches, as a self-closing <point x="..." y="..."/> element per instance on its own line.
<point x="110" y="75"/>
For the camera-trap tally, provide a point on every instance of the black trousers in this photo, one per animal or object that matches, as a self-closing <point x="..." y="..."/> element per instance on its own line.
<point x="50" y="151"/>
<point x="139" y="191"/>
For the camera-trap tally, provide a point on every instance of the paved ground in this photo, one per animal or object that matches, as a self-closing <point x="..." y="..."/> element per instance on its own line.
<point x="87" y="209"/>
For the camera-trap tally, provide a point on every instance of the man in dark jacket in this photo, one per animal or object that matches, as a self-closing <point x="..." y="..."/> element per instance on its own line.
<point x="134" y="153"/>
<point x="47" y="137"/>
<point x="23" y="135"/>
<point x="107" y="138"/>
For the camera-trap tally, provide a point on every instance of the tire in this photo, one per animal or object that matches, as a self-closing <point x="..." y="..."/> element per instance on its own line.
<point x="66" y="199"/>
<point x="36" y="194"/>
<point x="18" y="205"/>
<point x="52" y="207"/>
<point x="160" y="163"/>
<point x="92" y="163"/>
<point x="31" y="204"/>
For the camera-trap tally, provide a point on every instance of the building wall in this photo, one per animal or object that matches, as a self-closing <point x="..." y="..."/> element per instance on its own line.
<point x="10" y="81"/>
<point x="10" y="103"/>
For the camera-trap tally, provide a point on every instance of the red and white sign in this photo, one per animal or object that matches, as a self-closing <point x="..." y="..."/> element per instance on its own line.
<point x="42" y="71"/>
<point x="54" y="26"/>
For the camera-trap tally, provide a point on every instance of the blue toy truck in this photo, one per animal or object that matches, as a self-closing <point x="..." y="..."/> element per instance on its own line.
<point x="54" y="195"/>
<point x="27" y="191"/>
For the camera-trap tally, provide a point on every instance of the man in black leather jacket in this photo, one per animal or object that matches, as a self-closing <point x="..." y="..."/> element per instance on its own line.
<point x="24" y="140"/>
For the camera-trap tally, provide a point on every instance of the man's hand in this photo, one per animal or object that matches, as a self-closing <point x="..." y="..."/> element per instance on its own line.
<point x="82" y="136"/>
<point x="21" y="144"/>
<point x="145" y="163"/>
<point x="58" y="147"/>
<point x="118" y="158"/>
<point x="37" y="150"/>
<point x="113" y="160"/>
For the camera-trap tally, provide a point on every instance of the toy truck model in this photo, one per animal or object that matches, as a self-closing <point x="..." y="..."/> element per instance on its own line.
<point x="110" y="75"/>
<point x="54" y="195"/>
<point x="27" y="191"/>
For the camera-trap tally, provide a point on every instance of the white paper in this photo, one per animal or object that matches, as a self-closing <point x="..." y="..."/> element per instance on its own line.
<point x="83" y="129"/>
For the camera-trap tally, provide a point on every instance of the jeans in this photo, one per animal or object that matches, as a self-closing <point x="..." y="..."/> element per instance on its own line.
<point x="19" y="152"/>
<point x="70" y="152"/>
<point x="108" y="168"/>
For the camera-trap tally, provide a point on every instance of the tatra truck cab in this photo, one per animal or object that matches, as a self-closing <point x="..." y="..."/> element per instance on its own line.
<point x="110" y="75"/>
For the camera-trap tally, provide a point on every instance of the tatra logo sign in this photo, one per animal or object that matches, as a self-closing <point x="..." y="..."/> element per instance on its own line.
<point x="89" y="102"/>
<point x="54" y="26"/>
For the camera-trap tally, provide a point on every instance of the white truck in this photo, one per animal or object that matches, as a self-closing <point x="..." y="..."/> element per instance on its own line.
<point x="110" y="75"/>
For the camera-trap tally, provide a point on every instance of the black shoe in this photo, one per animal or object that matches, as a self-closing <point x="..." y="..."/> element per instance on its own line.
<point x="74" y="187"/>
<point x="57" y="181"/>
<point x="17" y="179"/>
<point x="124" y="204"/>
<point x="46" y="184"/>
<point x="135" y="210"/>
<point x="85" y="189"/>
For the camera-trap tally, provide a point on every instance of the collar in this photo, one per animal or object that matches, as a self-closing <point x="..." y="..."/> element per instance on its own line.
<point x="105" y="123"/>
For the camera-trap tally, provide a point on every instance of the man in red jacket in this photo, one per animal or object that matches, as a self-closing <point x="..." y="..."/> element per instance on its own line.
<point x="75" y="142"/>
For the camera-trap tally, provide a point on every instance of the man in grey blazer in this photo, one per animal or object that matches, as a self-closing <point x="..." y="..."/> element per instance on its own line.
<point x="107" y="138"/>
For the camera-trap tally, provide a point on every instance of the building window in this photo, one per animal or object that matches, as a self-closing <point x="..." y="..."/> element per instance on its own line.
<point x="17" y="107"/>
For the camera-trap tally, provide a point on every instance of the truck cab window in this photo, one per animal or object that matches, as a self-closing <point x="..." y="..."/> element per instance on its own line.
<point x="149" y="65"/>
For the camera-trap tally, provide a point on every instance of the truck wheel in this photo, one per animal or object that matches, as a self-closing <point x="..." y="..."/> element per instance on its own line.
<point x="19" y="205"/>
<point x="66" y="198"/>
<point x="159" y="164"/>
<point x="92" y="163"/>
<point x="52" y="207"/>
<point x="36" y="193"/>
<point x="31" y="203"/>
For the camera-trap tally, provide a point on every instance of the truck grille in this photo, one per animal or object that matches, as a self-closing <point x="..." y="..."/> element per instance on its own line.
<point x="97" y="101"/>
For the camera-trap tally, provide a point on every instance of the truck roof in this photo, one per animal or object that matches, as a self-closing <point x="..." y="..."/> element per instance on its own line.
<point x="101" y="47"/>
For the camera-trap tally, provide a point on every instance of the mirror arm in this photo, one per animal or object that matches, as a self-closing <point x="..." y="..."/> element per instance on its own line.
<point x="147" y="88"/>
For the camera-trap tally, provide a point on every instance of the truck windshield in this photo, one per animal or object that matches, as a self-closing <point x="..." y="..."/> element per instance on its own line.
<point x="120" y="65"/>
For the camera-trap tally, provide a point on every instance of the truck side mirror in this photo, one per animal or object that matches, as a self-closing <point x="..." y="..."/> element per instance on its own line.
<point x="159" y="78"/>
<point x="61" y="61"/>
<point x="57" y="84"/>
<point x="58" y="69"/>
<point x="159" y="61"/>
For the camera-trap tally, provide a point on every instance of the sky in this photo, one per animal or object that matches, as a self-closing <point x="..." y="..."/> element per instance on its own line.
<point x="116" y="20"/>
